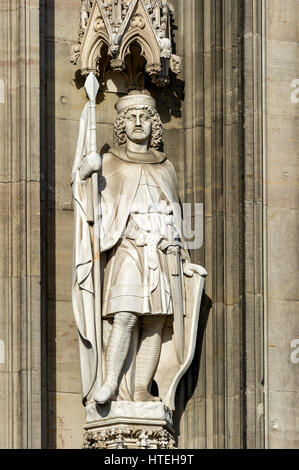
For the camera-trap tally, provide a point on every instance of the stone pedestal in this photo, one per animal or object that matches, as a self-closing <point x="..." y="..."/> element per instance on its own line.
<point x="128" y="425"/>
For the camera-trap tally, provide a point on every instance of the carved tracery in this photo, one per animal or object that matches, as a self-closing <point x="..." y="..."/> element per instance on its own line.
<point x="109" y="29"/>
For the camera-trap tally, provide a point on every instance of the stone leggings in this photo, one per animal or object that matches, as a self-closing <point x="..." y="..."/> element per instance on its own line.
<point x="148" y="351"/>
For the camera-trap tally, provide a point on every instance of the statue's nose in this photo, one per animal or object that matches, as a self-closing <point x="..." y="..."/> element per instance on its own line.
<point x="138" y="121"/>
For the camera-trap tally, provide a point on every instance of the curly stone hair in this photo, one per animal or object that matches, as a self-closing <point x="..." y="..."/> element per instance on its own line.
<point x="157" y="130"/>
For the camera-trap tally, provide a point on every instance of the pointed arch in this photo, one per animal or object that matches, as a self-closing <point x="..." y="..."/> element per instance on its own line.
<point x="150" y="49"/>
<point x="91" y="54"/>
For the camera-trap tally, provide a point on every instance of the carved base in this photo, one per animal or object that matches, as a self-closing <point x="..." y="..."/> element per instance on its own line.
<point x="128" y="425"/>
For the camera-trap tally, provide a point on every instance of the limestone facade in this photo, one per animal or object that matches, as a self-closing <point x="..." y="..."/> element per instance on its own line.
<point x="230" y="123"/>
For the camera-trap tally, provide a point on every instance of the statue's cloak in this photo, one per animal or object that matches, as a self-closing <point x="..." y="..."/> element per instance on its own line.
<point x="118" y="186"/>
<point x="118" y="183"/>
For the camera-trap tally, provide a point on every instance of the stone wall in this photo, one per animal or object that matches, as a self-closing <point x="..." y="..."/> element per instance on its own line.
<point x="62" y="103"/>
<point x="20" y="365"/>
<point x="230" y="125"/>
<point x="281" y="221"/>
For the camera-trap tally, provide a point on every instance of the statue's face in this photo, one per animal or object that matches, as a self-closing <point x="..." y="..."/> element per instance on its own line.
<point x="138" y="125"/>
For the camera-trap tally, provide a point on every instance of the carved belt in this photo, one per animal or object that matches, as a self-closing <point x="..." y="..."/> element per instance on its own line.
<point x="172" y="248"/>
<point x="153" y="242"/>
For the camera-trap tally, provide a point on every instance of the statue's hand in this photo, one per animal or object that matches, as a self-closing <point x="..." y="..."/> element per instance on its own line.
<point x="190" y="269"/>
<point x="90" y="164"/>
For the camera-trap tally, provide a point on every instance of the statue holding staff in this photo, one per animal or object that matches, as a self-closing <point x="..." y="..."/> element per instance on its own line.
<point x="150" y="292"/>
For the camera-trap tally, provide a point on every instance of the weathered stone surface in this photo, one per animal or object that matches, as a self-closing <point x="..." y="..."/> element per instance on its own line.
<point x="20" y="369"/>
<point x="66" y="420"/>
<point x="63" y="364"/>
<point x="117" y="411"/>
<point x="235" y="145"/>
<point x="281" y="223"/>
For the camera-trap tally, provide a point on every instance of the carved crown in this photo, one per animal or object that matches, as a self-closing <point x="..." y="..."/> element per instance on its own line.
<point x="127" y="37"/>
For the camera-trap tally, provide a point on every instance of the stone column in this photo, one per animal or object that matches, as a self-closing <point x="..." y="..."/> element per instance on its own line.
<point x="210" y="402"/>
<point x="271" y="220"/>
<point x="254" y="420"/>
<point x="20" y="385"/>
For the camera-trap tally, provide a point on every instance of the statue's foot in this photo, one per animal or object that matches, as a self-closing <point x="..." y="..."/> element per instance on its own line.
<point x="104" y="395"/>
<point x="143" y="395"/>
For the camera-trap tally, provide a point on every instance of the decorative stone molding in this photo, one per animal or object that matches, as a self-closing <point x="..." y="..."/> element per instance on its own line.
<point x="114" y="34"/>
<point x="127" y="437"/>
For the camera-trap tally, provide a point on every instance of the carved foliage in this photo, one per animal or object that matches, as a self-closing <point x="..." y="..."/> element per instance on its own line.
<point x="126" y="436"/>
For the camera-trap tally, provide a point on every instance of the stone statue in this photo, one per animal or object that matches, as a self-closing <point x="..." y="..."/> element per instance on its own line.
<point x="142" y="324"/>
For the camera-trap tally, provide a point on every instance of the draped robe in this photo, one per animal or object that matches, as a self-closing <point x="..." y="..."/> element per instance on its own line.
<point x="118" y="183"/>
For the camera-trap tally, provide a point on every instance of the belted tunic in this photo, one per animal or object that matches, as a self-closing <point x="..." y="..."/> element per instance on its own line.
<point x="142" y="266"/>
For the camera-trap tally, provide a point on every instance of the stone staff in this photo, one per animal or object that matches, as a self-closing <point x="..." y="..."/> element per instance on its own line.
<point x="92" y="88"/>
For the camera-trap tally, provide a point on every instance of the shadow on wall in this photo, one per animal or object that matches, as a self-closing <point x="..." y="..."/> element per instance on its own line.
<point x="48" y="223"/>
<point x="189" y="382"/>
<point x="169" y="99"/>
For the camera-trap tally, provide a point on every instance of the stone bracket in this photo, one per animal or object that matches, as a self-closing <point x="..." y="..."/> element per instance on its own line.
<point x="128" y="425"/>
